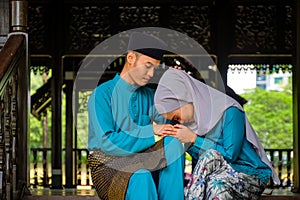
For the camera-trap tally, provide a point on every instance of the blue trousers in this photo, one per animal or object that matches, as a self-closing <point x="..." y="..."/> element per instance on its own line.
<point x="142" y="186"/>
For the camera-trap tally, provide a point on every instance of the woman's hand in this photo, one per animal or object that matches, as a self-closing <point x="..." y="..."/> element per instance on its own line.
<point x="159" y="128"/>
<point x="181" y="132"/>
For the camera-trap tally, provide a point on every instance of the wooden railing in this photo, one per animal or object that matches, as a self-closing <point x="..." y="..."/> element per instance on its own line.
<point x="40" y="163"/>
<point x="13" y="117"/>
<point x="282" y="160"/>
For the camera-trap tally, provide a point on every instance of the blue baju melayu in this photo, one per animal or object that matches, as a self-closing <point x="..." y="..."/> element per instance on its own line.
<point x="120" y="124"/>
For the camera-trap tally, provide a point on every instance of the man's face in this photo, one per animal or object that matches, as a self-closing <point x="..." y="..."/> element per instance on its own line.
<point x="142" y="69"/>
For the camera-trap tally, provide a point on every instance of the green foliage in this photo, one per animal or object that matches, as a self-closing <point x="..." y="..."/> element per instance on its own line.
<point x="82" y="129"/>
<point x="36" y="126"/>
<point x="82" y="119"/>
<point x="270" y="113"/>
<point x="188" y="157"/>
<point x="35" y="132"/>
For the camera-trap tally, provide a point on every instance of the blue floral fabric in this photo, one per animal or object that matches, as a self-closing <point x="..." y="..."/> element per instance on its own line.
<point x="213" y="179"/>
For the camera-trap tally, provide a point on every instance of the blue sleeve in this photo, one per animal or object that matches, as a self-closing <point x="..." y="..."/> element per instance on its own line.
<point x="233" y="133"/>
<point x="204" y="143"/>
<point x="105" y="135"/>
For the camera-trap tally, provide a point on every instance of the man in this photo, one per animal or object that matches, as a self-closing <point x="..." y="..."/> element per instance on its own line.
<point x="123" y="150"/>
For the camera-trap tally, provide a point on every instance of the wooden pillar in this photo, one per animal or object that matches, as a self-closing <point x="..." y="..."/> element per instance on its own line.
<point x="18" y="13"/>
<point x="75" y="102"/>
<point x="296" y="99"/>
<point x="223" y="39"/>
<point x="56" y="92"/>
<point x="56" y="141"/>
<point x="69" y="135"/>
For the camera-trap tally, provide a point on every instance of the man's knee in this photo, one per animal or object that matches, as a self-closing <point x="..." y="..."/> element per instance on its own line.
<point x="141" y="186"/>
<point x="173" y="142"/>
<point x="173" y="149"/>
<point x="141" y="174"/>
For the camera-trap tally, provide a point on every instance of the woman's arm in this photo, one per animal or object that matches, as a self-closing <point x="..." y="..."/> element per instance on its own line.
<point x="232" y="128"/>
<point x="233" y="134"/>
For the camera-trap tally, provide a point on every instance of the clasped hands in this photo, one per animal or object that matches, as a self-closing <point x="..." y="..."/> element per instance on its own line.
<point x="179" y="131"/>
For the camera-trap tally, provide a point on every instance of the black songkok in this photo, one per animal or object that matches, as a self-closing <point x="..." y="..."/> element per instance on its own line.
<point x="148" y="45"/>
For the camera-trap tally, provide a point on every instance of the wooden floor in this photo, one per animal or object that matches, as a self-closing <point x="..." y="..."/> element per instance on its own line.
<point x="280" y="194"/>
<point x="89" y="193"/>
<point x="53" y="194"/>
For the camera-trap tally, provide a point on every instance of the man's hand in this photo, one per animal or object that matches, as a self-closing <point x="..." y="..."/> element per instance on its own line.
<point x="159" y="128"/>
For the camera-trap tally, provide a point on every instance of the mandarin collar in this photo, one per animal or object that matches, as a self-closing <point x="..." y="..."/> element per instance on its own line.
<point x="123" y="84"/>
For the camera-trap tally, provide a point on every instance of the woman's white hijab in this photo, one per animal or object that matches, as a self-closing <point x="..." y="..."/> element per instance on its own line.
<point x="177" y="88"/>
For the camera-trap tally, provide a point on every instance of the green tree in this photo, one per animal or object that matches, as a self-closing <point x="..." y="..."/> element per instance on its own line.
<point x="36" y="125"/>
<point x="82" y="119"/>
<point x="270" y="113"/>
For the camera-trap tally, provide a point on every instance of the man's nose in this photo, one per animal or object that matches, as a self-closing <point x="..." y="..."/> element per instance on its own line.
<point x="151" y="73"/>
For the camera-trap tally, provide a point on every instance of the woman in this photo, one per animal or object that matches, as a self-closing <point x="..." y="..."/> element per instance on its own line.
<point x="231" y="162"/>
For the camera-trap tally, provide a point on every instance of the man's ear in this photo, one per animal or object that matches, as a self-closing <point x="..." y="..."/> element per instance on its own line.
<point x="131" y="57"/>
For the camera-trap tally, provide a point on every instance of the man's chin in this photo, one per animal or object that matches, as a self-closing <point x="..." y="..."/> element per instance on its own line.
<point x="143" y="83"/>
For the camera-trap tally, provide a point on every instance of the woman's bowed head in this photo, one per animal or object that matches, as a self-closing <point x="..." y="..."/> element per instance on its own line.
<point x="193" y="104"/>
<point x="183" y="115"/>
<point x="208" y="119"/>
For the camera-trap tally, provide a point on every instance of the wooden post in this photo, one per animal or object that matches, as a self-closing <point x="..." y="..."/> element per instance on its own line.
<point x="69" y="156"/>
<point x="19" y="11"/>
<point x="56" y="90"/>
<point x="296" y="99"/>
<point x="18" y="25"/>
<point x="222" y="45"/>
